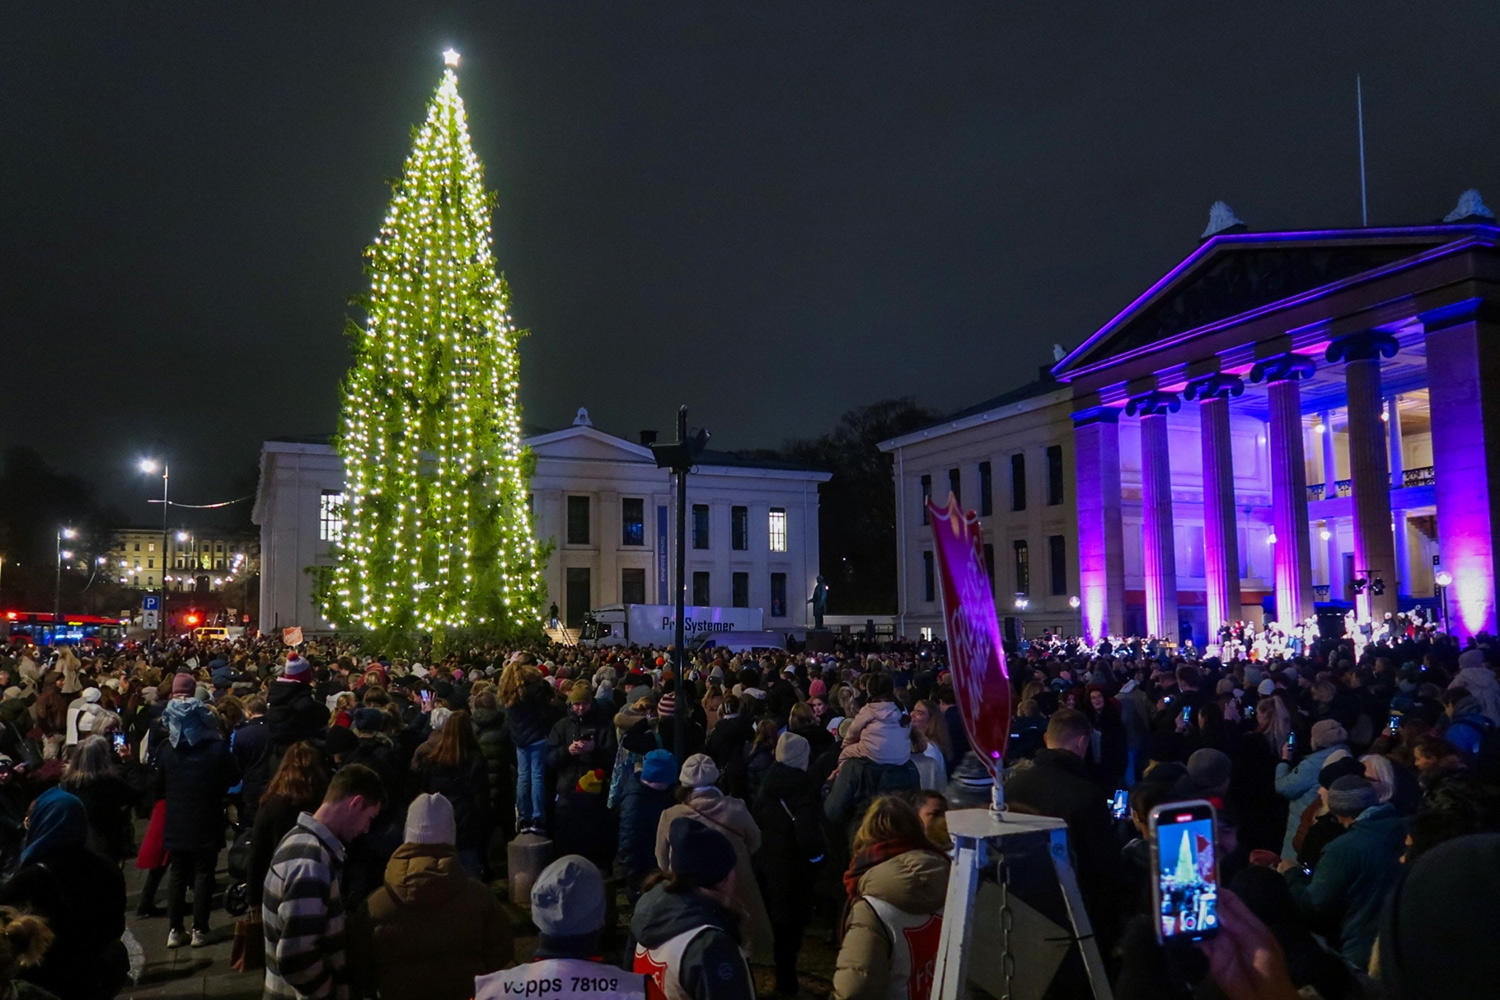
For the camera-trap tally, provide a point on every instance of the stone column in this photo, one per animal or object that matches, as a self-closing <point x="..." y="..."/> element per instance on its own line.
<point x="1293" y="554"/>
<point x="1463" y="366"/>
<point x="1221" y="548"/>
<point x="1374" y="550"/>
<point x="1101" y="538"/>
<point x="1158" y="544"/>
<point x="1330" y="491"/>
<point x="1398" y="480"/>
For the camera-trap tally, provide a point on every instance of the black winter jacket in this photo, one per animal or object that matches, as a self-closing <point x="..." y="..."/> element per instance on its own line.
<point x="294" y="715"/>
<point x="197" y="779"/>
<point x="530" y="720"/>
<point x="597" y="724"/>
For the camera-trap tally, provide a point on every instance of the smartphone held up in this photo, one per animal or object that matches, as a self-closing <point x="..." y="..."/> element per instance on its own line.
<point x="1185" y="891"/>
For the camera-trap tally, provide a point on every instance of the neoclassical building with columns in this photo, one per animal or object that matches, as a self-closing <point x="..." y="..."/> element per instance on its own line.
<point x="1286" y="423"/>
<point x="1369" y="359"/>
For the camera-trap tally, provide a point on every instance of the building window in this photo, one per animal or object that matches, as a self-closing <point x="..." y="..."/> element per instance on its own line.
<point x="701" y="596"/>
<point x="778" y="595"/>
<point x="926" y="495"/>
<point x="137" y="546"/>
<point x="1054" y="475"/>
<point x="989" y="564"/>
<point x="180" y="564"/>
<point x="633" y="522"/>
<point x="578" y="520"/>
<point x="1057" y="559"/>
<point x="739" y="596"/>
<point x="632" y="586"/>
<point x="218" y="546"/>
<point x="218" y="564"/>
<point x="955" y="486"/>
<point x="986" y="494"/>
<point x="929" y="580"/>
<point x="1018" y="482"/>
<point x="739" y="528"/>
<point x="700" y="525"/>
<point x="150" y="546"/>
<point x="150" y="563"/>
<point x="330" y="517"/>
<point x="1023" y="568"/>
<point x="778" y="529"/>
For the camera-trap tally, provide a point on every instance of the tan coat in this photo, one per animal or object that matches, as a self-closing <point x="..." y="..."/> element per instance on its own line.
<point x="916" y="882"/>
<point x="429" y="930"/>
<point x="731" y="817"/>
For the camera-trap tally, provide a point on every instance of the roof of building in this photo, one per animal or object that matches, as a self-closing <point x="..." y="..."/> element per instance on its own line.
<point x="721" y="459"/>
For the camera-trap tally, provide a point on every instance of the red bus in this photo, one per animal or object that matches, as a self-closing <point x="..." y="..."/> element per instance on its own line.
<point x="76" y="630"/>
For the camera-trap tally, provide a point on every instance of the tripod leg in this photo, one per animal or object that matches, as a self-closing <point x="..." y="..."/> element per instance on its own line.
<point x="1093" y="965"/>
<point x="951" y="973"/>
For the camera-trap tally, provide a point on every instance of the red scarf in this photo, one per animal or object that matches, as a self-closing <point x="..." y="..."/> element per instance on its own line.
<point x="877" y="853"/>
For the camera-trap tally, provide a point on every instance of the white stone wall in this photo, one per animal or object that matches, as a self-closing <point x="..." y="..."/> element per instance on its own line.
<point x="577" y="461"/>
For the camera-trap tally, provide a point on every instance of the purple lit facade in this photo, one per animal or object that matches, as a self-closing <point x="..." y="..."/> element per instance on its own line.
<point x="1342" y="449"/>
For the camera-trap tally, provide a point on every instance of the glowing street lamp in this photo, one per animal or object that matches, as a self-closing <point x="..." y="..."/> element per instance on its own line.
<point x="149" y="467"/>
<point x="1444" y="580"/>
<point x="57" y="580"/>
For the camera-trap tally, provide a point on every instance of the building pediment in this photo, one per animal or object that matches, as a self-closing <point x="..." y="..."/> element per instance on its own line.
<point x="588" y="444"/>
<point x="1235" y="274"/>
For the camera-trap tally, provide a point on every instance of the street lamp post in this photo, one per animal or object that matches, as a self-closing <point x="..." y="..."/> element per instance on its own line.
<point x="1444" y="580"/>
<point x="680" y="456"/>
<point x="57" y="583"/>
<point x="148" y="466"/>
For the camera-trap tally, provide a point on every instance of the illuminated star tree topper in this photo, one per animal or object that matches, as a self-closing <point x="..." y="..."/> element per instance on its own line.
<point x="437" y="530"/>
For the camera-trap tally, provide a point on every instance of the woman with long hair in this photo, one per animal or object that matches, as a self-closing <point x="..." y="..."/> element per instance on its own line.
<point x="1273" y="721"/>
<point x="95" y="773"/>
<point x="455" y="769"/>
<point x="896" y="882"/>
<point x="343" y="711"/>
<point x="529" y="716"/>
<point x="762" y="754"/>
<point x="297" y="786"/>
<point x="927" y="721"/>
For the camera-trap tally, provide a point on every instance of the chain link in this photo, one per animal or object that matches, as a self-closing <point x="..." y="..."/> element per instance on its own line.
<point x="1007" y="919"/>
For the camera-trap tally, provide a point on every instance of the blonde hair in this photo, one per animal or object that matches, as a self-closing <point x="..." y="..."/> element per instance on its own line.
<point x="24" y="940"/>
<point x="513" y="681"/>
<point x="888" y="818"/>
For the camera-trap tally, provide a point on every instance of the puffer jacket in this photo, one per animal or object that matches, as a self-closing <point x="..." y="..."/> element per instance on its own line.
<point x="915" y="882"/>
<point x="429" y="930"/>
<point x="499" y="756"/>
<point x="732" y="818"/>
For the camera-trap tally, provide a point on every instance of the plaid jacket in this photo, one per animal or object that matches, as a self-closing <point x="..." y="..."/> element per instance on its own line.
<point x="304" y="916"/>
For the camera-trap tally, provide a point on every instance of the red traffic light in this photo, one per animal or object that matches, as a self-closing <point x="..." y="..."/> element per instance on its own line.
<point x="191" y="619"/>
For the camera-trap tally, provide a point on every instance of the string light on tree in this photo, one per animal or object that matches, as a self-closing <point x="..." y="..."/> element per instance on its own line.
<point x="437" y="529"/>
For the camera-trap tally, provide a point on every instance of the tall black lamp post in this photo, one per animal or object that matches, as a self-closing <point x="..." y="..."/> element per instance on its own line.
<point x="680" y="456"/>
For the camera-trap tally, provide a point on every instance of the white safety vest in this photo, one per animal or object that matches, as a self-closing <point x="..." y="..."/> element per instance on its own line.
<point x="914" y="948"/>
<point x="561" y="979"/>
<point x="660" y="964"/>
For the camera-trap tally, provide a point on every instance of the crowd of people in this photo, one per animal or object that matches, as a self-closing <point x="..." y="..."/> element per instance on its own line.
<point x="704" y="824"/>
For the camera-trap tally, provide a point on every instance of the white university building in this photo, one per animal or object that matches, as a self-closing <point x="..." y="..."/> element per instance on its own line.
<point x="752" y="527"/>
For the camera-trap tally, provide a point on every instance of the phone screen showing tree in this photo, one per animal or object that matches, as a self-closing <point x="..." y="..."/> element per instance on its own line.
<point x="1187" y="876"/>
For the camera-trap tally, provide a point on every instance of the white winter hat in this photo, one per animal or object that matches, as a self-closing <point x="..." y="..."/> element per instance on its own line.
<point x="429" y="820"/>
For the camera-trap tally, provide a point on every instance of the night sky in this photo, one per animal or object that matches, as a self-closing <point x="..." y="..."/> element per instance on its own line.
<point x="773" y="212"/>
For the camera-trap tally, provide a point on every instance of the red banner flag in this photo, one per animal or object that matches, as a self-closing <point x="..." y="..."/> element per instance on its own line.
<point x="975" y="655"/>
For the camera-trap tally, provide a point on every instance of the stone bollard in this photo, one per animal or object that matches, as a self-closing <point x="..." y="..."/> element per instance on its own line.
<point x="526" y="856"/>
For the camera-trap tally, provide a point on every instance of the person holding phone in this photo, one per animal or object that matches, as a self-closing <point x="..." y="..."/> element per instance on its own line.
<point x="1299" y="784"/>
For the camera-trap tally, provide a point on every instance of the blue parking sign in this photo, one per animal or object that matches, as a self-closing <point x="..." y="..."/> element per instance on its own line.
<point x="151" y="603"/>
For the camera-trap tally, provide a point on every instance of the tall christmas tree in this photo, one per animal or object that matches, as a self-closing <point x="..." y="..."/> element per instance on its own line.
<point x="437" y="531"/>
